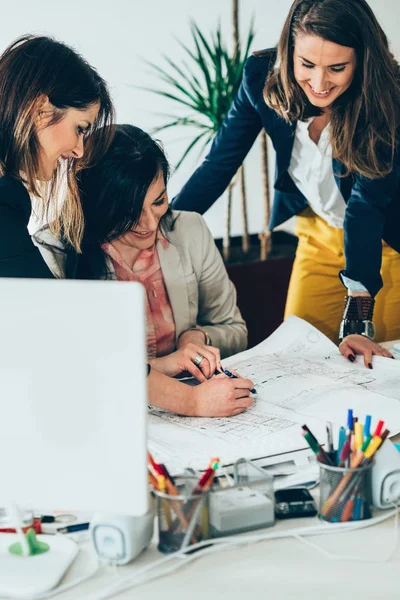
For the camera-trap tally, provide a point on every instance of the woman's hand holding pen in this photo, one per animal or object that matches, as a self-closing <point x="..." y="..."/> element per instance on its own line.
<point x="222" y="397"/>
<point x="359" y="344"/>
<point x="184" y="359"/>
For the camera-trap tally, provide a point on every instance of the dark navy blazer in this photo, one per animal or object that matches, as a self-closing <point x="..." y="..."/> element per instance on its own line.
<point x="373" y="205"/>
<point x="19" y="257"/>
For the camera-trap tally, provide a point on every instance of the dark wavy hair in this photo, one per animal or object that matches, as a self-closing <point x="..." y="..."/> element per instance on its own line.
<point x="365" y="118"/>
<point x="113" y="192"/>
<point x="33" y="67"/>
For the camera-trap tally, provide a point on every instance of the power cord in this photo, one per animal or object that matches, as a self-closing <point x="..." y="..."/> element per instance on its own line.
<point x="146" y="575"/>
<point x="333" y="556"/>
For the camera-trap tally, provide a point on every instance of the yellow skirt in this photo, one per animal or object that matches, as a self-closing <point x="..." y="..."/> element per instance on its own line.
<point x="316" y="293"/>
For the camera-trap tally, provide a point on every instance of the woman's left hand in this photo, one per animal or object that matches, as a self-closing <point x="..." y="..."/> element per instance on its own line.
<point x="195" y="337"/>
<point x="201" y="361"/>
<point x="360" y="344"/>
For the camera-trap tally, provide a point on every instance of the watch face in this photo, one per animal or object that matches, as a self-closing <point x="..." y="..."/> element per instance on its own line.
<point x="366" y="328"/>
<point x="369" y="329"/>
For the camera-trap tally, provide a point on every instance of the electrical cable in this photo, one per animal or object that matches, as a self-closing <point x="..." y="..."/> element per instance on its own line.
<point x="145" y="575"/>
<point x="334" y="556"/>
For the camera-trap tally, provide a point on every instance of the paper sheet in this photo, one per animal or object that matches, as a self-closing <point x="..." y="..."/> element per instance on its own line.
<point x="300" y="377"/>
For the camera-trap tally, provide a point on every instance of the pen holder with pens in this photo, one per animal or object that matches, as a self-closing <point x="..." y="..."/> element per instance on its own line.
<point x="183" y="519"/>
<point x="345" y="493"/>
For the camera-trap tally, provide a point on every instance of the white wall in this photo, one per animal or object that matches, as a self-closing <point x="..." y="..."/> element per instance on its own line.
<point x="115" y="35"/>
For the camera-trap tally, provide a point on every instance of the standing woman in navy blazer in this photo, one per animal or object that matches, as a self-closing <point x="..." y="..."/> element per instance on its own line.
<point x="329" y="98"/>
<point x="51" y="101"/>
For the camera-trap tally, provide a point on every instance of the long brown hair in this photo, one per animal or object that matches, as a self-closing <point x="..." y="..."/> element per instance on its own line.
<point x="365" y="118"/>
<point x="30" y="68"/>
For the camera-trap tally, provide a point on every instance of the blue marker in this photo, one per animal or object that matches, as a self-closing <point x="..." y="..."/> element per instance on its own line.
<point x="341" y="443"/>
<point x="350" y="422"/>
<point x="233" y="376"/>
<point x="367" y="425"/>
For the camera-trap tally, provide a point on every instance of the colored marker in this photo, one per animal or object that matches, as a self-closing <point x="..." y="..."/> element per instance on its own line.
<point x="358" y="435"/>
<point x="378" y="428"/>
<point x="367" y="426"/>
<point x="344" y="455"/>
<point x="384" y="435"/>
<point x="72" y="528"/>
<point x="317" y="448"/>
<point x="373" y="447"/>
<point x="350" y="421"/>
<point x="366" y="443"/>
<point x="233" y="376"/>
<point x="341" y="443"/>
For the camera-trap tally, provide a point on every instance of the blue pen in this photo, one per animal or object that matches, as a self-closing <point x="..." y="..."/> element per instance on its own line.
<point x="233" y="376"/>
<point x="341" y="443"/>
<point x="367" y="425"/>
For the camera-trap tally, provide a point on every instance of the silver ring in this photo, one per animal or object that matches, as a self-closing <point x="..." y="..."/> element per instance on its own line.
<point x="198" y="359"/>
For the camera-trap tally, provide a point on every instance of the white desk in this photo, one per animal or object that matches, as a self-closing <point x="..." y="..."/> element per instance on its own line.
<point x="277" y="569"/>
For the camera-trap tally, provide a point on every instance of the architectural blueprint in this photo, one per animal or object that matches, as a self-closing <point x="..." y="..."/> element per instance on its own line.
<point x="300" y="377"/>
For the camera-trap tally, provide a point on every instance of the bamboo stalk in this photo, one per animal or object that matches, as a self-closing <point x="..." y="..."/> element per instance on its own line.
<point x="235" y="25"/>
<point x="226" y="242"/>
<point x="265" y="236"/>
<point x="243" y="198"/>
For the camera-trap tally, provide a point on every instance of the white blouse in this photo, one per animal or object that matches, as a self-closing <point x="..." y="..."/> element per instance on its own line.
<point x="311" y="170"/>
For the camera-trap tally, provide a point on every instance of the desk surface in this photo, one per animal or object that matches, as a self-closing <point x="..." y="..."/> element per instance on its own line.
<point x="277" y="569"/>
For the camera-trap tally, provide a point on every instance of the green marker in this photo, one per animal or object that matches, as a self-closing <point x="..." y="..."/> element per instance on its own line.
<point x="366" y="443"/>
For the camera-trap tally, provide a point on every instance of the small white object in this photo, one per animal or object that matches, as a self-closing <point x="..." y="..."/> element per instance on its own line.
<point x="27" y="576"/>
<point x="119" y="538"/>
<point x="386" y="476"/>
<point x="396" y="351"/>
<point x="239" y="509"/>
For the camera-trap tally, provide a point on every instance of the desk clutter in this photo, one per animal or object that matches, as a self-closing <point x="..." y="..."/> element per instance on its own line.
<point x="195" y="510"/>
<point x="192" y="509"/>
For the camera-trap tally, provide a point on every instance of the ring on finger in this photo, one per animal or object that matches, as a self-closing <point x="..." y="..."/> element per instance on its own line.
<point x="198" y="359"/>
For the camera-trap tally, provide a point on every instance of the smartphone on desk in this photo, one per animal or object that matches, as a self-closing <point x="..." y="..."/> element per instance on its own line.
<point x="294" y="502"/>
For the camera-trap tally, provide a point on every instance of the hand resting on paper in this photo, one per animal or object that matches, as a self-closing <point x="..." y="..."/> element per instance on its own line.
<point x="217" y="397"/>
<point x="359" y="344"/>
<point x="222" y="396"/>
<point x="183" y="360"/>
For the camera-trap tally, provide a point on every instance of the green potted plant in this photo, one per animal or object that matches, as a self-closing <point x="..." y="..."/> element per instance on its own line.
<point x="205" y="87"/>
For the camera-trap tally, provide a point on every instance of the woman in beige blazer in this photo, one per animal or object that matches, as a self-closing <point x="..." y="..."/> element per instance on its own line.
<point x="132" y="235"/>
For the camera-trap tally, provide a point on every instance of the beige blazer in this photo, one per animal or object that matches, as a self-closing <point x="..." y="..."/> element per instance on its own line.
<point x="199" y="289"/>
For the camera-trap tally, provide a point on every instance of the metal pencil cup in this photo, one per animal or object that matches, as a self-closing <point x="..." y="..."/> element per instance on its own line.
<point x="183" y="520"/>
<point x="345" y="494"/>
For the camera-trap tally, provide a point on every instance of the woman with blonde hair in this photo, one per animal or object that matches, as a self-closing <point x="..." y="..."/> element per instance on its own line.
<point x="53" y="108"/>
<point x="329" y="98"/>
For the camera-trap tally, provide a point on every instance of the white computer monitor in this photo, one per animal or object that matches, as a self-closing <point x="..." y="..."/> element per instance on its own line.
<point x="73" y="395"/>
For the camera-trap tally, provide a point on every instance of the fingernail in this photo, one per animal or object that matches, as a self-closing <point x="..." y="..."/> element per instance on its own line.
<point x="369" y="365"/>
<point x="351" y="357"/>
